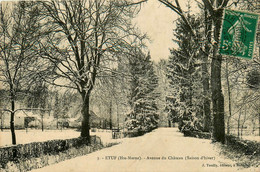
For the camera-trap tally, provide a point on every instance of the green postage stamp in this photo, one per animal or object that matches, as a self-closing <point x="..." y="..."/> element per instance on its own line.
<point x="238" y="34"/>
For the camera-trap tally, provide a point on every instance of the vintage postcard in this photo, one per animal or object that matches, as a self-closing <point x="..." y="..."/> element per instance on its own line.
<point x="129" y="86"/>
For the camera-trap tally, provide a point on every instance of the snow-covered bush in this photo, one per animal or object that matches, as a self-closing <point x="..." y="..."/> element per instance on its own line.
<point x="132" y="124"/>
<point x="142" y="94"/>
<point x="246" y="146"/>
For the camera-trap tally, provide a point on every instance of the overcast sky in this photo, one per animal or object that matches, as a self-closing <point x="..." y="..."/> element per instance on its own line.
<point x="156" y="20"/>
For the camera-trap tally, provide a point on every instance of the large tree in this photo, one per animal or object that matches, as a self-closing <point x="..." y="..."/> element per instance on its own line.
<point x="142" y="93"/>
<point x="215" y="10"/>
<point x="163" y="89"/>
<point x="19" y="33"/>
<point x="85" y="37"/>
<point x="185" y="75"/>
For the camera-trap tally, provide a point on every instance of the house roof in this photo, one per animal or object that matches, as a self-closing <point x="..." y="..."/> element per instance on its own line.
<point x="93" y="116"/>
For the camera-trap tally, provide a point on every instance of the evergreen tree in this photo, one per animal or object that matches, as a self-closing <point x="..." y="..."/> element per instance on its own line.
<point x="185" y="104"/>
<point x="142" y="95"/>
<point x="163" y="90"/>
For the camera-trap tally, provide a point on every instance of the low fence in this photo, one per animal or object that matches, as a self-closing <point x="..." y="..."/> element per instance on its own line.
<point x="39" y="154"/>
<point x="120" y="134"/>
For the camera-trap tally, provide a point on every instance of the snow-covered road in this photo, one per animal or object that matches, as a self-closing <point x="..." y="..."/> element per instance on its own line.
<point x="164" y="149"/>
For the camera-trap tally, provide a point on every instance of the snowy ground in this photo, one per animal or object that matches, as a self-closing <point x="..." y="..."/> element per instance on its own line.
<point x="33" y="135"/>
<point x="163" y="150"/>
<point x="253" y="138"/>
<point x="23" y="137"/>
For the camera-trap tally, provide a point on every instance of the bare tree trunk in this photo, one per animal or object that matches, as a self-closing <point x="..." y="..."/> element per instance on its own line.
<point x="259" y="124"/>
<point x="258" y="111"/>
<point x="238" y="124"/>
<point x="110" y="115"/>
<point x="253" y="125"/>
<point x="217" y="101"/>
<point x="206" y="103"/>
<point x="243" y="122"/>
<point x="2" y="121"/>
<point x="42" y="122"/>
<point x="205" y="77"/>
<point x="2" y="117"/>
<point x="229" y="99"/>
<point x="241" y="130"/>
<point x="217" y="95"/>
<point x="105" y="124"/>
<point x="85" y="114"/>
<point x="57" y="124"/>
<point x="12" y="118"/>
<point x="117" y="114"/>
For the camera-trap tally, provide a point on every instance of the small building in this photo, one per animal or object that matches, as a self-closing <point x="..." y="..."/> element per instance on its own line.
<point x="21" y="120"/>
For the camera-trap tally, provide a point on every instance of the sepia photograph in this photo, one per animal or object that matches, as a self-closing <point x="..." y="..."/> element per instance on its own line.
<point x="129" y="86"/>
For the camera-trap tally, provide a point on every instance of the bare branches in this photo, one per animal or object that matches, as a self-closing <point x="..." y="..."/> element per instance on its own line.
<point x="7" y="110"/>
<point x="257" y="61"/>
<point x="17" y="40"/>
<point x="209" y="6"/>
<point x="169" y="4"/>
<point x="90" y="31"/>
<point x="224" y="3"/>
<point x="24" y="109"/>
<point x="127" y="4"/>
<point x="177" y="8"/>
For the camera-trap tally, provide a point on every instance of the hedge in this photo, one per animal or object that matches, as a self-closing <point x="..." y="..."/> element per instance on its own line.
<point x="36" y="151"/>
<point x="197" y="134"/>
<point x="247" y="146"/>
